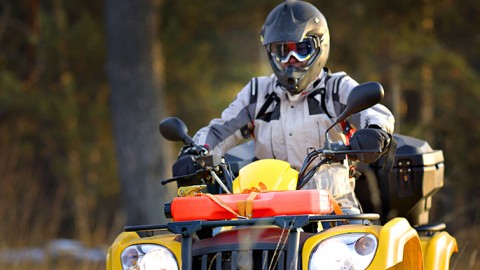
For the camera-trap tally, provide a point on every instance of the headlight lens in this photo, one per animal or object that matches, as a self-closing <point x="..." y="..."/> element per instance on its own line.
<point x="345" y="251"/>
<point x="148" y="256"/>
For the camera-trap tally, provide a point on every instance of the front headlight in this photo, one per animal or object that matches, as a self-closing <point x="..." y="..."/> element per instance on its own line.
<point x="148" y="256"/>
<point x="345" y="251"/>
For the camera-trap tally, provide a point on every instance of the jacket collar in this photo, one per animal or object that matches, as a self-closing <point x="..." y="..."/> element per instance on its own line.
<point x="319" y="83"/>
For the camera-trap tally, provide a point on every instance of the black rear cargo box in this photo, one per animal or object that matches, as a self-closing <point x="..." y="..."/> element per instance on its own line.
<point x="417" y="174"/>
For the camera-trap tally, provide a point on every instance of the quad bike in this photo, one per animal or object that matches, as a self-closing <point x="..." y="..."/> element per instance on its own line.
<point x="260" y="218"/>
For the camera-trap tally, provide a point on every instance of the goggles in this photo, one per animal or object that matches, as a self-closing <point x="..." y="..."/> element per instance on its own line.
<point x="302" y="51"/>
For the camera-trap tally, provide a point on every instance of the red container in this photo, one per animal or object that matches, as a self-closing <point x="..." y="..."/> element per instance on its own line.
<point x="267" y="204"/>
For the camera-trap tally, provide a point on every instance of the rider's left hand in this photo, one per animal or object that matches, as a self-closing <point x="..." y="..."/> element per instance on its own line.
<point x="369" y="139"/>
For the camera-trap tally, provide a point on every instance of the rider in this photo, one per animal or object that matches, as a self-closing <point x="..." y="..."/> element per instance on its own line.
<point x="289" y="111"/>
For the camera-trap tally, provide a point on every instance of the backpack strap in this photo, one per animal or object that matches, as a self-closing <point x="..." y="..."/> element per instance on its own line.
<point x="269" y="99"/>
<point x="253" y="90"/>
<point x="273" y="115"/>
<point x="247" y="130"/>
<point x="313" y="103"/>
<point x="338" y="107"/>
<point x="323" y="93"/>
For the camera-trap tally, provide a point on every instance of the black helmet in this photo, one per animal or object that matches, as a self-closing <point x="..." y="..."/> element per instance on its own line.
<point x="298" y="29"/>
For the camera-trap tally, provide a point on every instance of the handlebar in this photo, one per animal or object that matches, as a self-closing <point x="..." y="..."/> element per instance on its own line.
<point x="334" y="153"/>
<point x="210" y="165"/>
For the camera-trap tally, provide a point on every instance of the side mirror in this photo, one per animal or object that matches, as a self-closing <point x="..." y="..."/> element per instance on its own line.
<point x="361" y="97"/>
<point x="174" y="129"/>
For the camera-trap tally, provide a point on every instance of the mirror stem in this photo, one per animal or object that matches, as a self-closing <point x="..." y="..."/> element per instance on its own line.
<point x="327" y="139"/>
<point x="327" y="142"/>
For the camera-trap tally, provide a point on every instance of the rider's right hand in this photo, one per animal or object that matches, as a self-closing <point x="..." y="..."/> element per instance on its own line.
<point x="185" y="164"/>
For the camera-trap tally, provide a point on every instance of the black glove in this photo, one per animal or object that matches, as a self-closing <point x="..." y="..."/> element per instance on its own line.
<point x="369" y="139"/>
<point x="185" y="164"/>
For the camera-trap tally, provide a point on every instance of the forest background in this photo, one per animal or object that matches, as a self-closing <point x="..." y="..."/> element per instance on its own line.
<point x="84" y="84"/>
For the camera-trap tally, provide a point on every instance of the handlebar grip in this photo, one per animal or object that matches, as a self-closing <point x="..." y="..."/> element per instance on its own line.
<point x="188" y="177"/>
<point x="166" y="181"/>
<point x="173" y="179"/>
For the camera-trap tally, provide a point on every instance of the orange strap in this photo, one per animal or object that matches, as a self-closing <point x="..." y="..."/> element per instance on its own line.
<point x="222" y="204"/>
<point x="245" y="208"/>
<point x="336" y="208"/>
<point x="261" y="188"/>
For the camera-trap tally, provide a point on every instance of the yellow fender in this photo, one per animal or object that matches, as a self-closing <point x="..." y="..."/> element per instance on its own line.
<point x="125" y="239"/>
<point x="115" y="250"/>
<point x="312" y="242"/>
<point x="274" y="174"/>
<point x="398" y="247"/>
<point x="398" y="244"/>
<point x="437" y="250"/>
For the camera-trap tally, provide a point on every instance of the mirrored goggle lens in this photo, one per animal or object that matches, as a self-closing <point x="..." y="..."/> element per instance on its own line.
<point x="303" y="50"/>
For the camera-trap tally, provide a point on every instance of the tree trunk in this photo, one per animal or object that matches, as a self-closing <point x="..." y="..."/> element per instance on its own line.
<point x="427" y="110"/>
<point x="135" y="70"/>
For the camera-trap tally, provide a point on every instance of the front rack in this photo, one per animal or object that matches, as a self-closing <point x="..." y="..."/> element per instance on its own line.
<point x="187" y="228"/>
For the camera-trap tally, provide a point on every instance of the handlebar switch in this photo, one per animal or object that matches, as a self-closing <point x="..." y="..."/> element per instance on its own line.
<point x="209" y="161"/>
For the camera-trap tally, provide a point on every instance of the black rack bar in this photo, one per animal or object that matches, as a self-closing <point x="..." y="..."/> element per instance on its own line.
<point x="254" y="221"/>
<point x="292" y="223"/>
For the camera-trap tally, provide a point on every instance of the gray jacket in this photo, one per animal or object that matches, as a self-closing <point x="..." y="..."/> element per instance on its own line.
<point x="284" y="126"/>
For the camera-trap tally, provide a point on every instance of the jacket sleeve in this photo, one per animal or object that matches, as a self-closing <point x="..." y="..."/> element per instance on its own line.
<point x="235" y="123"/>
<point x="378" y="115"/>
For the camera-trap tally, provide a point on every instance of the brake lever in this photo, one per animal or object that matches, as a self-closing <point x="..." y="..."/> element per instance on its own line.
<point x="339" y="152"/>
<point x="196" y="175"/>
<point x="208" y="163"/>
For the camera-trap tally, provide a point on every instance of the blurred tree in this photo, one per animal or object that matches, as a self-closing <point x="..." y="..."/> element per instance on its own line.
<point x="135" y="69"/>
<point x="212" y="49"/>
<point x="55" y="132"/>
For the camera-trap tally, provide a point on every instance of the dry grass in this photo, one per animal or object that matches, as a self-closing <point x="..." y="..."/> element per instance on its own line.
<point x="61" y="264"/>
<point x="468" y="256"/>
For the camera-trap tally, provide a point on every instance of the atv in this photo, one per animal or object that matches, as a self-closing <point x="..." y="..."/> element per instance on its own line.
<point x="236" y="212"/>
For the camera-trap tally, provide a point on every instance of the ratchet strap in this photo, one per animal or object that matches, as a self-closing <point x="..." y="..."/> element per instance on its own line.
<point x="190" y="190"/>
<point x="222" y="204"/>
<point x="245" y="208"/>
<point x="336" y="208"/>
<point x="261" y="188"/>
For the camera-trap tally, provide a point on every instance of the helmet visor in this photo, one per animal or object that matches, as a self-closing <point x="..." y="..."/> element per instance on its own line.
<point x="283" y="51"/>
